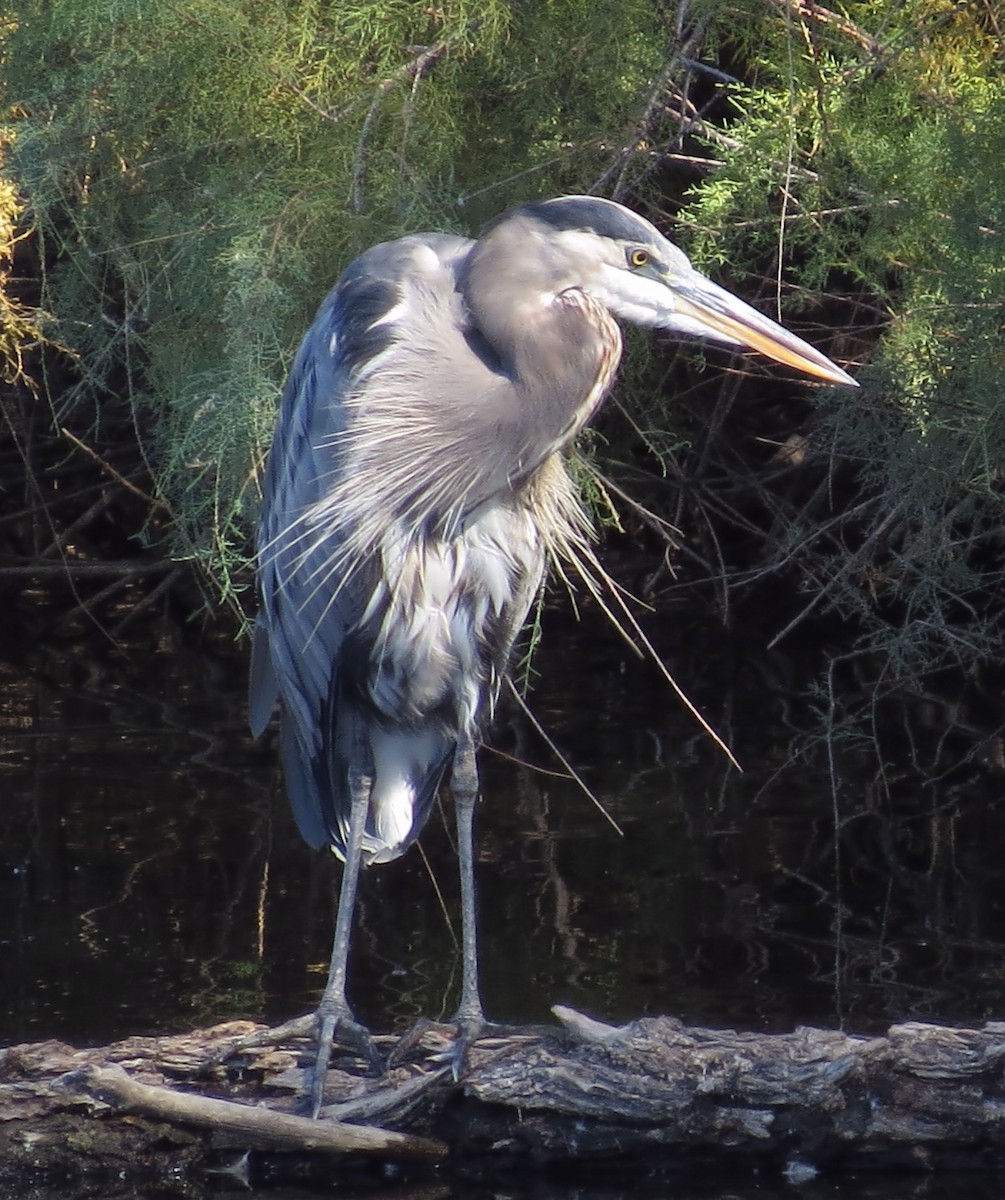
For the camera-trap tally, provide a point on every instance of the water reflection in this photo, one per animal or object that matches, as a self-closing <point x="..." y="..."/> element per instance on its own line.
<point x="152" y="877"/>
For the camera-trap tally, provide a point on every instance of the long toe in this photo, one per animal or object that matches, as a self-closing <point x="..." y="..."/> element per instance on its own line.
<point x="436" y="1039"/>
<point x="339" y="1028"/>
<point x="447" y="1042"/>
<point x="263" y="1039"/>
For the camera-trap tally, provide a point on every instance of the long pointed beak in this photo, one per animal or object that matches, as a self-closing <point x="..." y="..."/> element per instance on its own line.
<point x="704" y="308"/>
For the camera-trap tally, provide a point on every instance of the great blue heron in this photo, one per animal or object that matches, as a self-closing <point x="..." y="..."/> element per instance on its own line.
<point x="414" y="492"/>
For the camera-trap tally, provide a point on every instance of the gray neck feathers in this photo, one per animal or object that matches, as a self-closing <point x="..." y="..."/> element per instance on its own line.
<point x="556" y="345"/>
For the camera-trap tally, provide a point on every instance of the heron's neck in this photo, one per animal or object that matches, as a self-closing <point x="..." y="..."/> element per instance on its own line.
<point x="560" y="350"/>
<point x="564" y="360"/>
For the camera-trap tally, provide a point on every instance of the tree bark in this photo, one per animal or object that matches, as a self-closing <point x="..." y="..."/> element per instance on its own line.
<point x="642" y="1096"/>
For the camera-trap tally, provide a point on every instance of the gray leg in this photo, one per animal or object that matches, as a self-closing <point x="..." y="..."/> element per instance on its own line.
<point x="464" y="783"/>
<point x="469" y="1021"/>
<point x="334" y="1015"/>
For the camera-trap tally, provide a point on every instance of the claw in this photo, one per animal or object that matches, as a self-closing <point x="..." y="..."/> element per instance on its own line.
<point x="469" y="1030"/>
<point x="326" y="1029"/>
<point x="339" y="1028"/>
<point x="463" y="1033"/>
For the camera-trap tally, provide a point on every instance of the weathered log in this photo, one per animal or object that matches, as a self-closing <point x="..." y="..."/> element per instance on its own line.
<point x="642" y="1095"/>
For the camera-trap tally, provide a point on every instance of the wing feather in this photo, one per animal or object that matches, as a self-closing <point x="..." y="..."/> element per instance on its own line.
<point x="319" y="569"/>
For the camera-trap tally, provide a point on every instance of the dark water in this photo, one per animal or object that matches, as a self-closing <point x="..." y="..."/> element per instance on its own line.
<point x="151" y="877"/>
<point x="856" y="1188"/>
<point x="859" y="1188"/>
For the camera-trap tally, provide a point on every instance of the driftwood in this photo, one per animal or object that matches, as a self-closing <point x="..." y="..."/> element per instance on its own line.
<point x="642" y="1096"/>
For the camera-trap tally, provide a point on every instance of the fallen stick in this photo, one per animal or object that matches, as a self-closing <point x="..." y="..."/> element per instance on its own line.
<point x="255" y="1126"/>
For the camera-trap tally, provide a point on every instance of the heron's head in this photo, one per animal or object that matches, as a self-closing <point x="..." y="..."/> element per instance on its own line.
<point x="629" y="266"/>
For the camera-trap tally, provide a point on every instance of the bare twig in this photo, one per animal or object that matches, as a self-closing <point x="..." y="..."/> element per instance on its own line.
<point x="412" y="72"/>
<point x="86" y="570"/>
<point x="811" y="10"/>
<point x="849" y="566"/>
<point x="250" y="1126"/>
<point x="110" y="470"/>
<point x="149" y="599"/>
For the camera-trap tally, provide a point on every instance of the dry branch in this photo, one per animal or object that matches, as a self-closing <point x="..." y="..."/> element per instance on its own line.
<point x="78" y="569"/>
<point x="243" y="1125"/>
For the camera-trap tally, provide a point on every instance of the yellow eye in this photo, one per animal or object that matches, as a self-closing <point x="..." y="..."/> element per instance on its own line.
<point x="638" y="258"/>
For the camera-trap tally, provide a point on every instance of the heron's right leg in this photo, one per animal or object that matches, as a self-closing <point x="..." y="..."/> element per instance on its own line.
<point x="335" y="1021"/>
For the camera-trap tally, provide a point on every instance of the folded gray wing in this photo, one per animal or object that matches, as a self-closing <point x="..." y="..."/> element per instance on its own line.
<point x="312" y="595"/>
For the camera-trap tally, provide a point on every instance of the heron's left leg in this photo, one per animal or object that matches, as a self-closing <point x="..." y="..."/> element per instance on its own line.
<point x="333" y="1019"/>
<point x="334" y="1016"/>
<point x="470" y="1017"/>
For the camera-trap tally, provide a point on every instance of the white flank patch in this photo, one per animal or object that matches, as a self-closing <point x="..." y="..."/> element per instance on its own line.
<point x="401" y="761"/>
<point x="393" y="810"/>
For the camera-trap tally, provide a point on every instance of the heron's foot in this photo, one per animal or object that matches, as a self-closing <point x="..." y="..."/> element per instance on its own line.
<point x="447" y="1042"/>
<point x="336" y="1026"/>
<point x="470" y="1027"/>
<point x="326" y="1028"/>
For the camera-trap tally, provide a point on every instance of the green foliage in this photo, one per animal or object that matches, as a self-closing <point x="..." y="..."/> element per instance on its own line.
<point x="22" y="326"/>
<point x="199" y="173"/>
<point x="866" y="160"/>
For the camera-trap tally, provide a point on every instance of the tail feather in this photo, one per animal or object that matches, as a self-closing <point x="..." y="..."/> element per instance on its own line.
<point x="263" y="687"/>
<point x="302" y="786"/>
